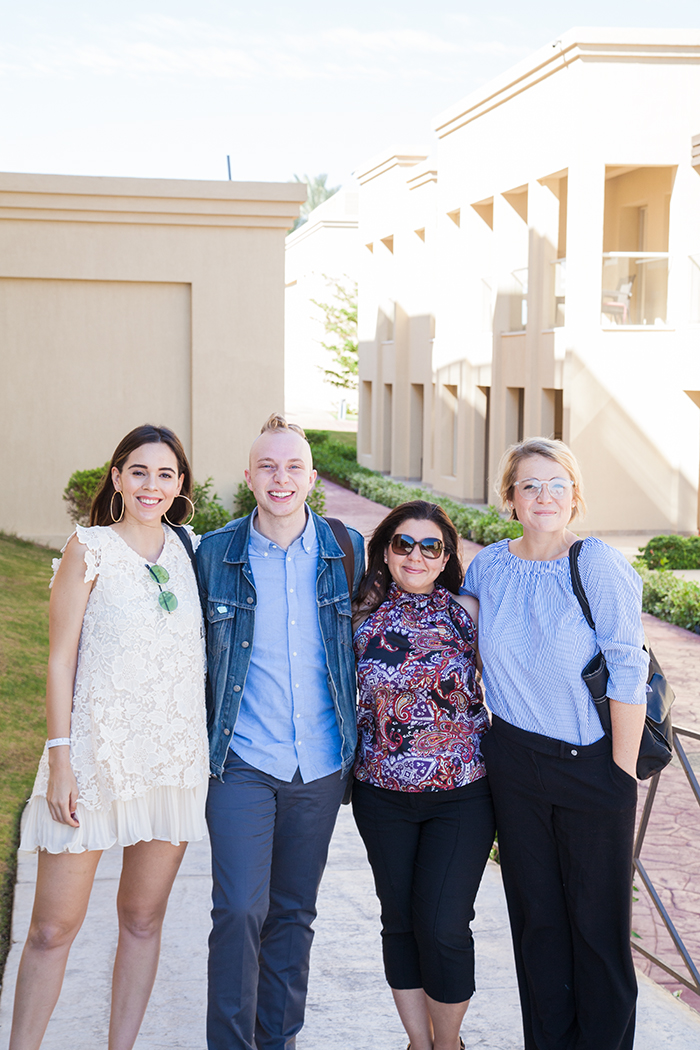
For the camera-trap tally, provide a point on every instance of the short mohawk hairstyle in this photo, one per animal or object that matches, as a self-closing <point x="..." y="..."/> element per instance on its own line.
<point x="277" y="422"/>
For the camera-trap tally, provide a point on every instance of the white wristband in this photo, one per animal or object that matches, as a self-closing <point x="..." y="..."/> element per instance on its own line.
<point x="58" y="741"/>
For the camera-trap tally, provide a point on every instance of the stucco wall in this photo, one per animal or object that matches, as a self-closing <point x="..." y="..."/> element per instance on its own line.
<point x="125" y="301"/>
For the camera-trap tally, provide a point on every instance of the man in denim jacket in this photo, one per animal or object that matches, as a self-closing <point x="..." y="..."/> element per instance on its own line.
<point x="282" y="729"/>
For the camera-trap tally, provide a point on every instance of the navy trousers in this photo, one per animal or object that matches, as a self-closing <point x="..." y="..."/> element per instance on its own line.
<point x="269" y="842"/>
<point x="565" y="816"/>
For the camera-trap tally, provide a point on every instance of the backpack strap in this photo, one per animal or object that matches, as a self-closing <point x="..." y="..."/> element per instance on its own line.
<point x="184" y="537"/>
<point x="342" y="536"/>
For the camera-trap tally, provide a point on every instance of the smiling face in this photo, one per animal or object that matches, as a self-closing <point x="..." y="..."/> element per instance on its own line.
<point x="543" y="514"/>
<point x="414" y="572"/>
<point x="280" y="474"/>
<point x="149" y="482"/>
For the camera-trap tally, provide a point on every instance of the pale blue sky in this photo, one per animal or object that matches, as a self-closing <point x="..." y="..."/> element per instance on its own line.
<point x="156" y="88"/>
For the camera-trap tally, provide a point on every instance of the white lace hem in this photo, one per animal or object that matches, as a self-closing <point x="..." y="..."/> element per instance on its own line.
<point x="168" y="814"/>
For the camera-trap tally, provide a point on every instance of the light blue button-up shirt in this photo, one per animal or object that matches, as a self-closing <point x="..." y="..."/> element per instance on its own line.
<point x="287" y="719"/>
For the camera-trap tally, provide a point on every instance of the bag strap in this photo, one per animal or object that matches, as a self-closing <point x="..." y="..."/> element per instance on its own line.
<point x="342" y="536"/>
<point x="184" y="537"/>
<point x="574" y="551"/>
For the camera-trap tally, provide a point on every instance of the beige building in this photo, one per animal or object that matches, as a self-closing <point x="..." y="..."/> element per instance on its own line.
<point x="124" y="301"/>
<point x="320" y="254"/>
<point x="536" y="270"/>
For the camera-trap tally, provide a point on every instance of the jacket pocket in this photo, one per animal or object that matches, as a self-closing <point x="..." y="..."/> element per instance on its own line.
<point x="220" y="622"/>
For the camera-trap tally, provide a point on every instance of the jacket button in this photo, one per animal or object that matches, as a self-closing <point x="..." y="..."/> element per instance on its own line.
<point x="227" y="732"/>
<point x="236" y="688"/>
<point x="244" y="645"/>
<point x="250" y="601"/>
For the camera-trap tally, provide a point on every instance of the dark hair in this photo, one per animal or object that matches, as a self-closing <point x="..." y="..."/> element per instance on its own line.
<point x="376" y="580"/>
<point x="100" y="511"/>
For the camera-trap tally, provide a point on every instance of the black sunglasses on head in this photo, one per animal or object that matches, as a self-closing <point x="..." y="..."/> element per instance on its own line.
<point x="431" y="547"/>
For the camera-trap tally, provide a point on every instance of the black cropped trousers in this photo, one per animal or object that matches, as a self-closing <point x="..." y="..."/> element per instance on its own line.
<point x="427" y="851"/>
<point x="565" y="815"/>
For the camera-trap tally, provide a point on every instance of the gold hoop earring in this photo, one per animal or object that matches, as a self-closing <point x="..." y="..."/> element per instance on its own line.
<point x="111" y="506"/>
<point x="191" y="517"/>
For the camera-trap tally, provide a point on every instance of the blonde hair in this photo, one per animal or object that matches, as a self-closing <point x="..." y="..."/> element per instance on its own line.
<point x="557" y="451"/>
<point x="277" y="422"/>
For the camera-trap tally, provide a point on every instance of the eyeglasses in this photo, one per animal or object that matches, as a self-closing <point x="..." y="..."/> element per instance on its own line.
<point x="402" y="545"/>
<point x="166" y="599"/>
<point x="530" y="488"/>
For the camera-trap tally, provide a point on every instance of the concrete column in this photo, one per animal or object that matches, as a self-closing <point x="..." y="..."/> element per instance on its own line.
<point x="584" y="246"/>
<point x="543" y="221"/>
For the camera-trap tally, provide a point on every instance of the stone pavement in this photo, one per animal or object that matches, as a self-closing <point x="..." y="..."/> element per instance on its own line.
<point x="349" y="1006"/>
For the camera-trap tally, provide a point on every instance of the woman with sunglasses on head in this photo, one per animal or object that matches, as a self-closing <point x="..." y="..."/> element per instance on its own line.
<point x="127" y="759"/>
<point x="565" y="796"/>
<point x="421" y="798"/>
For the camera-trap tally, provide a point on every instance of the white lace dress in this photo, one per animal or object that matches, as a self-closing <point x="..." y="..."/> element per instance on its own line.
<point x="138" y="728"/>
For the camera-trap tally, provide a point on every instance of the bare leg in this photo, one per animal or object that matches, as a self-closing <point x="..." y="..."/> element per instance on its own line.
<point x="63" y="885"/>
<point x="412" y="1005"/>
<point x="447" y="1020"/>
<point x="148" y="873"/>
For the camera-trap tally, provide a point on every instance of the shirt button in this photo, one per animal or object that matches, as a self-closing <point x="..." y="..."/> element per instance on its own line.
<point x="227" y="732"/>
<point x="250" y="601"/>
<point x="236" y="688"/>
<point x="574" y="752"/>
<point x="264" y="554"/>
<point x="244" y="645"/>
<point x="296" y="685"/>
<point x="292" y="621"/>
<point x="291" y="590"/>
<point x="294" y="654"/>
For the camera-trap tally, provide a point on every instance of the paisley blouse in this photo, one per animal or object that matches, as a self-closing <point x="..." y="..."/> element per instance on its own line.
<point x="421" y="714"/>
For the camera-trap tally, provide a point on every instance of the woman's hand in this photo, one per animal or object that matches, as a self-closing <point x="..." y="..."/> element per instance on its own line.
<point x="627" y="724"/>
<point x="62" y="791"/>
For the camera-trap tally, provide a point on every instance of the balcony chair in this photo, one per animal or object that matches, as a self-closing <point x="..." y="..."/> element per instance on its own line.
<point x="616" y="303"/>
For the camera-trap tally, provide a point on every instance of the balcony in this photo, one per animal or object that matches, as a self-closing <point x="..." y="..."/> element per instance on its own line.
<point x="518" y="300"/>
<point x="635" y="288"/>
<point x="558" y="316"/>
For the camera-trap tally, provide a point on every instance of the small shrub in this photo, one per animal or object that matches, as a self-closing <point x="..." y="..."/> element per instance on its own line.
<point x="244" y="501"/>
<point x="210" y="512"/>
<point x="674" y="600"/>
<point x="672" y="552"/>
<point x="81" y="490"/>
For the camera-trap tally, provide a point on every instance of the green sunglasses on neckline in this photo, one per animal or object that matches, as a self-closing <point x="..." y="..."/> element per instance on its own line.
<point x="166" y="599"/>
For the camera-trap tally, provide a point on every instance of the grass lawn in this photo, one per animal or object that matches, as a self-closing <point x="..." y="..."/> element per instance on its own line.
<point x="25" y="571"/>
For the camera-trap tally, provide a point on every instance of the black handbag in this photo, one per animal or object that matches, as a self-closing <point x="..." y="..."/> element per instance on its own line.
<point x="656" y="747"/>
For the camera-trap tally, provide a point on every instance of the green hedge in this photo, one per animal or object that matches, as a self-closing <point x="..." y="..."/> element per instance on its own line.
<point x="672" y="552"/>
<point x="337" y="460"/>
<point x="670" y="598"/>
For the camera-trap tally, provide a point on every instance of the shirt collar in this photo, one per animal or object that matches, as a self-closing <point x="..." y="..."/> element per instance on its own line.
<point x="307" y="541"/>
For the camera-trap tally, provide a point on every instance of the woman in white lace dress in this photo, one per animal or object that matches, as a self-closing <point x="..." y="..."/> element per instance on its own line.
<point x="127" y="760"/>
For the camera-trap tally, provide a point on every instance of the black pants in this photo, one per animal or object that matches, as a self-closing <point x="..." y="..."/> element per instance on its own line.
<point x="565" y="815"/>
<point x="427" y="851"/>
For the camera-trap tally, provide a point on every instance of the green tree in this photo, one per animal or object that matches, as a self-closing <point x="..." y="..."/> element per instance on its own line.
<point x="340" y="322"/>
<point x="318" y="192"/>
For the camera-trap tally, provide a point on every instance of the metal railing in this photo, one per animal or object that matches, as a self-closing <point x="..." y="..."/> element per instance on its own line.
<point x="694" y="982"/>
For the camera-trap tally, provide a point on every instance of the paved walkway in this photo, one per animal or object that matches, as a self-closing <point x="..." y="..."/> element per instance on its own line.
<point x="349" y="1006"/>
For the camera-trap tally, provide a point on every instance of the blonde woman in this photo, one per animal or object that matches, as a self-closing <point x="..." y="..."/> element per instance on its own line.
<point x="564" y="794"/>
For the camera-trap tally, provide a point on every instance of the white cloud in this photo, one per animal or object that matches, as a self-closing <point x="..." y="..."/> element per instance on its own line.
<point x="159" y="46"/>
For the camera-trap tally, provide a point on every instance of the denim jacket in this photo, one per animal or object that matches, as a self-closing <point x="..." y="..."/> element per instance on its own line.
<point x="229" y="600"/>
